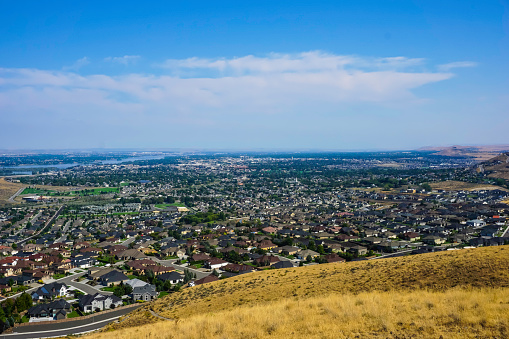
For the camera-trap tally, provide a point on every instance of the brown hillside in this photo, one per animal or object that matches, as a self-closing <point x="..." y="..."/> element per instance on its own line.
<point x="8" y="189"/>
<point x="434" y="272"/>
<point x="497" y="167"/>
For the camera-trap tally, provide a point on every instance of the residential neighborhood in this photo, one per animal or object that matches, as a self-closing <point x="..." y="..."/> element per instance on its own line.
<point x="216" y="218"/>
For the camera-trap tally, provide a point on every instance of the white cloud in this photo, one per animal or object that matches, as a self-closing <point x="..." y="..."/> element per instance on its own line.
<point x="124" y="60"/>
<point x="457" y="64"/>
<point x="314" y="61"/>
<point x="221" y="92"/>
<point x="77" y="64"/>
<point x="289" y="97"/>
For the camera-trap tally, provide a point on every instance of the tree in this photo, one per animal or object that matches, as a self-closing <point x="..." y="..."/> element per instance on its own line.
<point x="426" y="187"/>
<point x="119" y="291"/>
<point x="187" y="276"/>
<point x="8" y="306"/>
<point x="312" y="245"/>
<point x="23" y="302"/>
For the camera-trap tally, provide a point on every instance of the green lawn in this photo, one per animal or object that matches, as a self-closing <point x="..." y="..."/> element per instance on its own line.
<point x="167" y="205"/>
<point x="73" y="314"/>
<point x="108" y="289"/>
<point x="162" y="294"/>
<point x="58" y="276"/>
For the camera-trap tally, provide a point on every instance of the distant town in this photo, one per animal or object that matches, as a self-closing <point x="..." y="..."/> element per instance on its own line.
<point x="83" y="235"/>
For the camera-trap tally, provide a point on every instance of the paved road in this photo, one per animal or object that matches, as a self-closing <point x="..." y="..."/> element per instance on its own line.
<point x="65" y="229"/>
<point x="128" y="241"/>
<point x="71" y="327"/>
<point x="87" y="288"/>
<point x="65" y="280"/>
<point x="11" y="199"/>
<point x="505" y="232"/>
<point x="171" y="262"/>
<point x="392" y="255"/>
<point x="50" y="221"/>
<point x="32" y="221"/>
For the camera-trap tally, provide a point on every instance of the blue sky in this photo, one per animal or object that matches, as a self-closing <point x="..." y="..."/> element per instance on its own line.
<point x="256" y="74"/>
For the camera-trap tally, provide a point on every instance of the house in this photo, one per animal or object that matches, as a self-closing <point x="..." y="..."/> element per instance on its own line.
<point x="172" y="277"/>
<point x="98" y="302"/>
<point x="282" y="264"/>
<point x="433" y="240"/>
<point x="136" y="283"/>
<point x="305" y="253"/>
<point x="50" y="291"/>
<point x="476" y="223"/>
<point x="266" y="260"/>
<point x="83" y="262"/>
<point x="288" y="250"/>
<point x="215" y="263"/>
<point x="145" y="293"/>
<point x="131" y="254"/>
<point x="354" y="248"/>
<point x="56" y="309"/>
<point x="266" y="245"/>
<point x="333" y="257"/>
<point x="199" y="257"/>
<point x="95" y="272"/>
<point x="207" y="279"/>
<point x="238" y="268"/>
<point x="411" y="236"/>
<point x="114" y="277"/>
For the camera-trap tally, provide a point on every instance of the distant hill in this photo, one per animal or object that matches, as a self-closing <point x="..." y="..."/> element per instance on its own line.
<point x="454" y="294"/>
<point x="480" y="153"/>
<point x="497" y="167"/>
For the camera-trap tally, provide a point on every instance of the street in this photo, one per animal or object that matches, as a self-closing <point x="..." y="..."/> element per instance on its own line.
<point x="67" y="328"/>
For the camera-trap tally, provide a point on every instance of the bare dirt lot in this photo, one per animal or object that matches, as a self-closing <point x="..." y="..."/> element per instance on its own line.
<point x="463" y="186"/>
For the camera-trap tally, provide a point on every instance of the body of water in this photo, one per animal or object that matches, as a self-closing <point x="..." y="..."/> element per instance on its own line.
<point x="24" y="168"/>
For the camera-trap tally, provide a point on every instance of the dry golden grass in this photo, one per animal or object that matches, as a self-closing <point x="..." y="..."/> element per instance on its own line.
<point x="457" y="313"/>
<point x="7" y="189"/>
<point x="451" y="185"/>
<point x="473" y="272"/>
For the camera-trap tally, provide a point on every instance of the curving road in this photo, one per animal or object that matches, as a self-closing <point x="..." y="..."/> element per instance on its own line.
<point x="11" y="199"/>
<point x="67" y="328"/>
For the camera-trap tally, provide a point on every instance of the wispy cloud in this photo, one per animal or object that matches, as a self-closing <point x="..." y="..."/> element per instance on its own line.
<point x="314" y="61"/>
<point x="124" y="60"/>
<point x="209" y="94"/>
<point x="77" y="64"/>
<point x="457" y="64"/>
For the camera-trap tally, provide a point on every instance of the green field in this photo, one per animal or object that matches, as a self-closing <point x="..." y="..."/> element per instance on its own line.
<point x="92" y="191"/>
<point x="35" y="191"/>
<point x="97" y="191"/>
<point x="167" y="205"/>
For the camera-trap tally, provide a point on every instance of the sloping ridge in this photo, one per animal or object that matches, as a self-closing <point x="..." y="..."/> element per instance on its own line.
<point x="451" y="282"/>
<point x="497" y="167"/>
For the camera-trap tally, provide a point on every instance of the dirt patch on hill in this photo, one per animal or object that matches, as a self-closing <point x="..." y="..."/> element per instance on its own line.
<point x="452" y="185"/>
